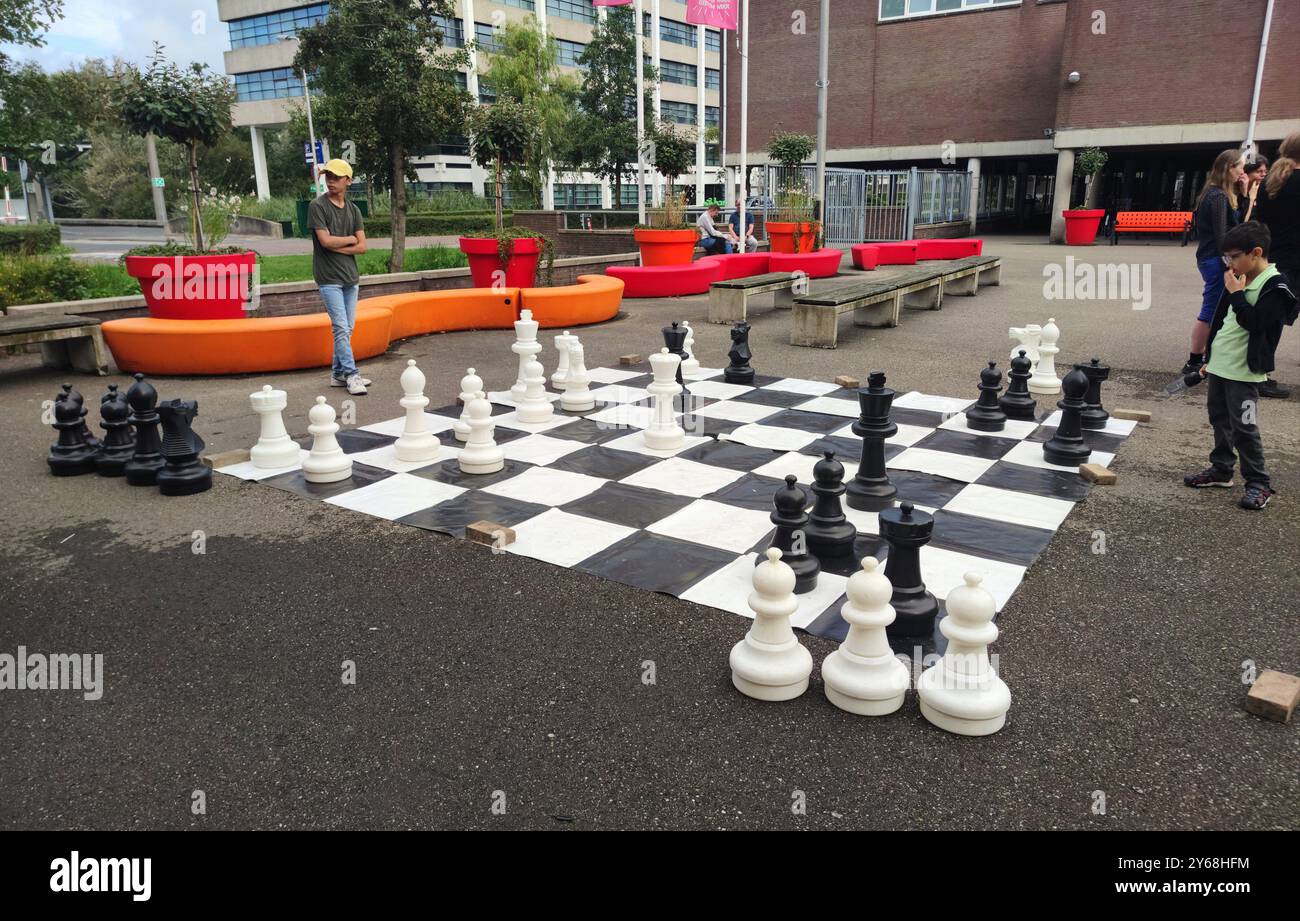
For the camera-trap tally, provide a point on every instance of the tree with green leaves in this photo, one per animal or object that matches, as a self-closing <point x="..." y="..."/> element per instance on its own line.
<point x="504" y="135"/>
<point x="24" y="22"/>
<point x="189" y="106"/>
<point x="388" y="86"/>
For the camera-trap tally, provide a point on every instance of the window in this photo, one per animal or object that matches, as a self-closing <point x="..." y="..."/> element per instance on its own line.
<point x="580" y="10"/>
<point x="713" y="40"/>
<point x="453" y="31"/>
<point x="280" y="83"/>
<point x="487" y="37"/>
<point x="570" y="52"/>
<point x="677" y="72"/>
<point x="712" y="116"/>
<point x="712" y="78"/>
<point x="681" y="113"/>
<point x="570" y="195"/>
<point x="521" y="4"/>
<point x="906" y="9"/>
<point x="670" y="30"/>
<point x="627" y="195"/>
<point x="273" y="27"/>
<point x="449" y="187"/>
<point x="487" y="93"/>
<point x="712" y="155"/>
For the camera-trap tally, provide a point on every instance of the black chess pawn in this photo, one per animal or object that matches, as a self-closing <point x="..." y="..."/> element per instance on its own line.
<point x="86" y="434"/>
<point x="907" y="530"/>
<point x="791" y="538"/>
<point x="70" y="455"/>
<point x="675" y="339"/>
<point x="109" y="394"/>
<point x="986" y="415"/>
<point x="1094" y="416"/>
<point x="739" y="371"/>
<point x="829" y="532"/>
<point x="118" y="444"/>
<point x="1067" y="447"/>
<point x="184" y="474"/>
<point x="142" y="469"/>
<point x="871" y="490"/>
<point x="1017" y="402"/>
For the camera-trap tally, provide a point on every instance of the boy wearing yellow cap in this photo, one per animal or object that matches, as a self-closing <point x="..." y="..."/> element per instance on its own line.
<point x="338" y="235"/>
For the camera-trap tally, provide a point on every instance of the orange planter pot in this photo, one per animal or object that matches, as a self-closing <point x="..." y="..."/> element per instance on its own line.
<point x="781" y="236"/>
<point x="666" y="247"/>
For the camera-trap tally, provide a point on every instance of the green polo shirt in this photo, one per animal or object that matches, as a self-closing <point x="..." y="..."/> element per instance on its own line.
<point x="1228" y="354"/>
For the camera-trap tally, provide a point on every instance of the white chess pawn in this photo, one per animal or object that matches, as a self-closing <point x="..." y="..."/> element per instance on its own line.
<point x="769" y="663"/>
<point x="562" y="344"/>
<point x="536" y="405"/>
<point x="470" y="385"/>
<point x="481" y="453"/>
<point x="526" y="346"/>
<point x="863" y="676"/>
<point x="663" y="433"/>
<point x="1027" y="338"/>
<point x="577" y="394"/>
<point x="416" y="443"/>
<point x="961" y="693"/>
<point x="274" y="447"/>
<point x="689" y="364"/>
<point x="1044" y="379"/>
<point x="326" y="463"/>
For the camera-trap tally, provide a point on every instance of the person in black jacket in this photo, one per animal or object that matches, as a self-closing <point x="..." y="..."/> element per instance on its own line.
<point x="1216" y="214"/>
<point x="1247" y="325"/>
<point x="1278" y="208"/>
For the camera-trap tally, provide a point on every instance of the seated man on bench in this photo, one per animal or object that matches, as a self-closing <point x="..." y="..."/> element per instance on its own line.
<point x="715" y="242"/>
<point x="750" y="244"/>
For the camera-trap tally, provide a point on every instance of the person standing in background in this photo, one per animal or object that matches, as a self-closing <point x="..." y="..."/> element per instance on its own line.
<point x="337" y="238"/>
<point x="1248" y="187"/>
<point x="1215" y="215"/>
<point x="1278" y="209"/>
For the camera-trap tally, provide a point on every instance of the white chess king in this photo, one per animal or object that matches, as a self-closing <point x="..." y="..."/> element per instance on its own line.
<point x="961" y="693"/>
<point x="326" y="463"/>
<point x="416" y="443"/>
<point x="274" y="447"/>
<point x="769" y="663"/>
<point x="863" y="676"/>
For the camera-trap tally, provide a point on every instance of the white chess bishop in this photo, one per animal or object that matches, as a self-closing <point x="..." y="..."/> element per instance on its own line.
<point x="689" y="365"/>
<point x="562" y="344"/>
<point x="526" y="346"/>
<point x="536" y="404"/>
<point x="274" y="447"/>
<point x="577" y="391"/>
<point x="326" y="463"/>
<point x="961" y="693"/>
<point x="481" y="453"/>
<point x="863" y="676"/>
<point x="1044" y="380"/>
<point x="1026" y="338"/>
<point x="416" y="443"/>
<point x="470" y="385"/>
<point x="769" y="663"/>
<point x="664" y="434"/>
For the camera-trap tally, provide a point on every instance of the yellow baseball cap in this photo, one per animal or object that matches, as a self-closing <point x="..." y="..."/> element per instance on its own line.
<point x="338" y="168"/>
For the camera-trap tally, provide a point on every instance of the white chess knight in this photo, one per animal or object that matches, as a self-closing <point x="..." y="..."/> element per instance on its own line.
<point x="536" y="404"/>
<point x="769" y="663"/>
<point x="1044" y="379"/>
<point x="961" y="693"/>
<point x="1026" y="338"/>
<point x="326" y="463"/>
<point x="481" y="453"/>
<point x="470" y="385"/>
<point x="689" y="364"/>
<point x="577" y="392"/>
<point x="274" y="447"/>
<point x="416" y="443"/>
<point x="562" y="345"/>
<point x="664" y="434"/>
<point x="863" y="676"/>
<point x="526" y="346"/>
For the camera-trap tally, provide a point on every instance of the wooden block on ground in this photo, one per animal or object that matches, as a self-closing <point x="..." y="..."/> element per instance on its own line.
<point x="1274" y="696"/>
<point x="629" y="359"/>
<point x="226" y="458"/>
<point x="1138" y="415"/>
<point x="847" y="382"/>
<point x="1096" y="473"/>
<point x="481" y="532"/>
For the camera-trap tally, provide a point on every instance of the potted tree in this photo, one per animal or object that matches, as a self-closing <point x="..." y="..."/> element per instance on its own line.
<point x="502" y="138"/>
<point x="793" y="231"/>
<point x="1082" y="221"/>
<point x="199" y="280"/>
<point x="670" y="239"/>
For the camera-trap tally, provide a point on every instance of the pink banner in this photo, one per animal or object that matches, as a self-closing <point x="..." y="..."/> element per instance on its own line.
<point x="721" y="14"/>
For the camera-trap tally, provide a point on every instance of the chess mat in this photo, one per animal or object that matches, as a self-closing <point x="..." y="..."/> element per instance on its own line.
<point x="584" y="492"/>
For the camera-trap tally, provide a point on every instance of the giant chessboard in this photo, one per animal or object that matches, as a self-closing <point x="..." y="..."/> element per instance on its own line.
<point x="583" y="491"/>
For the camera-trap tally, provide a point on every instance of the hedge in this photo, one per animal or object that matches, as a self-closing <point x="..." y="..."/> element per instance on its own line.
<point x="422" y="225"/>
<point x="29" y="239"/>
<point x="39" y="281"/>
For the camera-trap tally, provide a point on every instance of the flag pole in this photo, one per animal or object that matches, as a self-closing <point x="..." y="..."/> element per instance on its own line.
<point x="744" y="112"/>
<point x="823" y="81"/>
<point x="640" y="118"/>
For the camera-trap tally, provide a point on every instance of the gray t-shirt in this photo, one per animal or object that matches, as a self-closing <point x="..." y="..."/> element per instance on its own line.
<point x="706" y="227"/>
<point x="327" y="266"/>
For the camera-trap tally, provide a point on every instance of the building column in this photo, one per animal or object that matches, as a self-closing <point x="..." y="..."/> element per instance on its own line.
<point x="700" y="124"/>
<point x="973" y="207"/>
<point x="1061" y="193"/>
<point x="606" y="194"/>
<point x="656" y="177"/>
<point x="467" y="22"/>
<point x="260" y="173"/>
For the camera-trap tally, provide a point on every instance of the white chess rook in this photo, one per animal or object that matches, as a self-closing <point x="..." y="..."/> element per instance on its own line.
<point x="961" y="693"/>
<point x="274" y="447"/>
<point x="664" y="434"/>
<point x="526" y="346"/>
<point x="689" y="365"/>
<point x="863" y="676"/>
<point x="326" y="463"/>
<point x="536" y="405"/>
<point x="1044" y="379"/>
<point x="769" y="663"/>
<point x="577" y="392"/>
<point x="562" y="343"/>
<point x="1026" y="338"/>
<point x="416" y="443"/>
<point x="481" y="453"/>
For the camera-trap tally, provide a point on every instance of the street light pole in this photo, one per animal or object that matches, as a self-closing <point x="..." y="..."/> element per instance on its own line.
<point x="311" y="131"/>
<point x="640" y="119"/>
<point x="744" y="113"/>
<point x="823" y="82"/>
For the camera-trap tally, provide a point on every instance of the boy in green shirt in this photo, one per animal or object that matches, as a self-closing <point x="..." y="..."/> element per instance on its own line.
<point x="1243" y="337"/>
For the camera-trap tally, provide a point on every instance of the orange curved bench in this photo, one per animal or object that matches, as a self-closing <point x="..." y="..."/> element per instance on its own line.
<point x="421" y="312"/>
<point x="594" y="299"/>
<point x="243" y="346"/>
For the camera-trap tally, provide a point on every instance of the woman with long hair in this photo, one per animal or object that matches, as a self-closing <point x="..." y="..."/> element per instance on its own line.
<point x="1279" y="210"/>
<point x="1216" y="214"/>
<point x="1252" y="178"/>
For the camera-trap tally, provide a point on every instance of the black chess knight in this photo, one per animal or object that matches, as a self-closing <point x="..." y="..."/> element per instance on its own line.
<point x="739" y="371"/>
<point x="184" y="474"/>
<point x="871" y="490"/>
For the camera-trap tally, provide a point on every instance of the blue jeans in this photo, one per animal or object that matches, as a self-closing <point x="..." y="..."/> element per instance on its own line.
<point x="341" y="305"/>
<point x="1212" y="274"/>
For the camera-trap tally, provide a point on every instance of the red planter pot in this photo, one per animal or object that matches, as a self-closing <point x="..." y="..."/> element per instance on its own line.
<point x="485" y="262"/>
<point x="194" y="287"/>
<point x="666" y="247"/>
<point x="781" y="236"/>
<point x="1081" y="225"/>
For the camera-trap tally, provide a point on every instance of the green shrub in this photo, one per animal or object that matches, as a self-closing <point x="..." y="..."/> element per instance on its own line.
<point x="280" y="208"/>
<point x="28" y="280"/>
<point x="418" y="225"/>
<point x="28" y="240"/>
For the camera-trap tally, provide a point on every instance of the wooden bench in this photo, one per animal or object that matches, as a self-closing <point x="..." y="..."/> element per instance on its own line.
<point x="729" y="300"/>
<point x="1179" y="222"/>
<point x="65" y="340"/>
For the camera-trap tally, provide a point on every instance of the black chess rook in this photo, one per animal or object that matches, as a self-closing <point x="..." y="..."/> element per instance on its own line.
<point x="1094" y="416"/>
<point x="906" y="530"/>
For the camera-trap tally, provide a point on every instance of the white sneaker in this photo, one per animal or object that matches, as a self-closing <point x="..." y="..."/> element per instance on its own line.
<point x="356" y="385"/>
<point x="342" y="382"/>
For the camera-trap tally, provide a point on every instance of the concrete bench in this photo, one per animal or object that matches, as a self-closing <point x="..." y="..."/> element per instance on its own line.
<point x="65" y="341"/>
<point x="729" y="300"/>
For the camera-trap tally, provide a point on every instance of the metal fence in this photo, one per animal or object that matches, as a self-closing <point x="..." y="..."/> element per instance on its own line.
<point x="897" y="201"/>
<point x="843" y="219"/>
